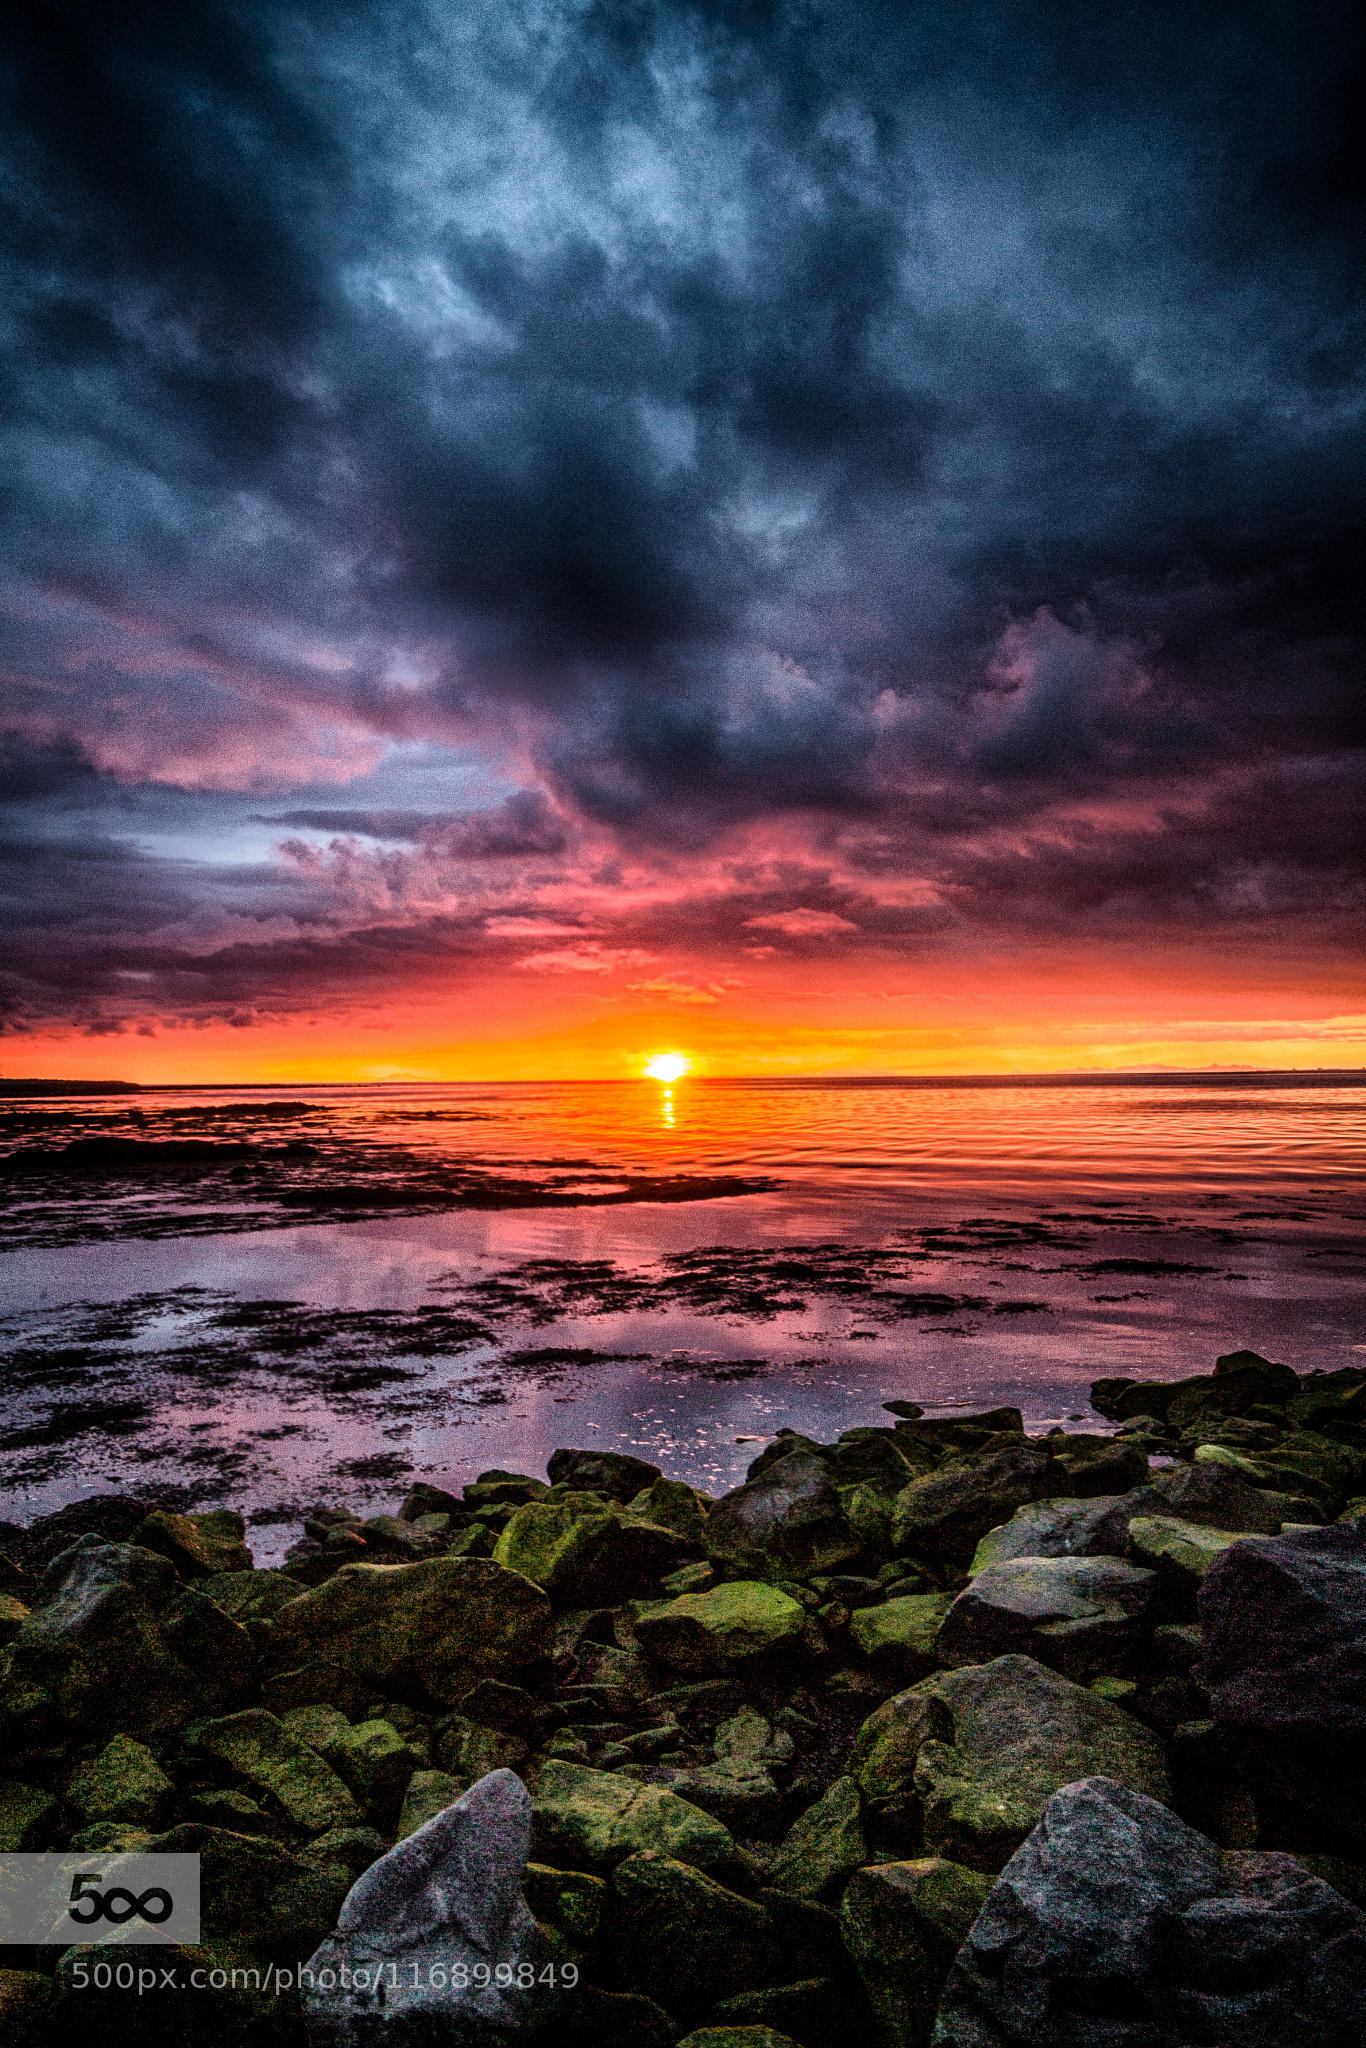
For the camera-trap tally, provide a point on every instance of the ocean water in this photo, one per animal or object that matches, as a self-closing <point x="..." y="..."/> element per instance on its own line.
<point x="959" y="1246"/>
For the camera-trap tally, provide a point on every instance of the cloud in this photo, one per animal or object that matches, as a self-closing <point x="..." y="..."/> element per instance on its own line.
<point x="672" y="467"/>
<point x="801" y="924"/>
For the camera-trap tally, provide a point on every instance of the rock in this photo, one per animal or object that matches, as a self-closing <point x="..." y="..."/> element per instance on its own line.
<point x="669" y="1504"/>
<point x="682" y="1938"/>
<point x="984" y="1748"/>
<point x="1117" y="1926"/>
<point x="1284" y="1627"/>
<point x="254" y="1892"/>
<point x="1180" y="1552"/>
<point x="1081" y="1615"/>
<point x="251" y="1595"/>
<point x="470" y="1750"/>
<point x="1210" y="1494"/>
<point x="197" y="1545"/>
<point x="432" y="1627"/>
<point x="428" y="1793"/>
<point x="369" y="1756"/>
<point x="25" y="2001"/>
<point x="422" y="1499"/>
<point x="592" y="1819"/>
<point x="903" y="1923"/>
<point x="450" y="1895"/>
<point x="728" y="1626"/>
<point x="1240" y="1381"/>
<point x="902" y="1632"/>
<point x="586" y="1554"/>
<point x="786" y="1521"/>
<point x="822" y="1847"/>
<point x="259" y="1749"/>
<point x="748" y="1738"/>
<point x="13" y="1615"/>
<point x="945" y="1515"/>
<point x="27" y="1816"/>
<point x="1096" y="1465"/>
<point x="609" y="1472"/>
<point x="350" y="1849"/>
<point x="742" y="1795"/>
<point x="570" y="1901"/>
<point x="1094" y="1527"/>
<point x="114" y="1645"/>
<point x="816" y="2011"/>
<point x="110" y="1516"/>
<point x="737" y="2037"/>
<point x="124" y="1782"/>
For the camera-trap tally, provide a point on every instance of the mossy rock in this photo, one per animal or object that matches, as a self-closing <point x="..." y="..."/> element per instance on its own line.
<point x="823" y="1846"/>
<point x="25" y="2002"/>
<point x="197" y="1545"/>
<point x="902" y="1632"/>
<point x="427" y="1794"/>
<point x="587" y="1819"/>
<point x="570" y="1901"/>
<point x="737" y="2037"/>
<point x="903" y="1923"/>
<point x="252" y="1596"/>
<point x="586" y="1554"/>
<point x="983" y="1749"/>
<point x="1180" y="1551"/>
<point x="370" y="1756"/>
<point x="433" y="1627"/>
<point x="258" y="1748"/>
<point x="124" y="1782"/>
<point x="730" y="1625"/>
<point x="679" y="1936"/>
<point x="27" y="1816"/>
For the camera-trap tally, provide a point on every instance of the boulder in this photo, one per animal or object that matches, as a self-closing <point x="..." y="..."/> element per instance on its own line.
<point x="786" y="1521"/>
<point x="1118" y="1926"/>
<point x="1096" y="1465"/>
<point x="430" y="1628"/>
<point x="945" y="1515"/>
<point x="901" y="1634"/>
<point x="1284" y="1625"/>
<point x="740" y="1794"/>
<point x="610" y="1472"/>
<point x="570" y="1901"/>
<point x="1212" y="1494"/>
<point x="256" y="1894"/>
<point x="25" y="2002"/>
<point x="1094" y="1527"/>
<point x="817" y="2011"/>
<point x="738" y="2037"/>
<point x="682" y="1938"/>
<point x="370" y="1756"/>
<point x="441" y="1903"/>
<point x="426" y="1794"/>
<point x="251" y="1596"/>
<point x="124" y="1782"/>
<point x="197" y="1545"/>
<point x="470" y="1749"/>
<point x="1179" y="1552"/>
<point x="28" y="1815"/>
<point x="115" y="1645"/>
<point x="1081" y="1615"/>
<point x="1241" y="1380"/>
<point x="257" y="1748"/>
<point x="585" y="1554"/>
<point x="903" y="1923"/>
<point x="593" y="1819"/>
<point x="729" y="1626"/>
<point x="669" y="1504"/>
<point x="821" y="1848"/>
<point x="983" y="1749"/>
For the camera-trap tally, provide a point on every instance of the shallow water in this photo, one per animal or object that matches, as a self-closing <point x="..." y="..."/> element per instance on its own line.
<point x="1020" y="1242"/>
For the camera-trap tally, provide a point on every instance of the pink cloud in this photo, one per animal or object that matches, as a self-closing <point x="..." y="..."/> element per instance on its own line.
<point x="801" y="924"/>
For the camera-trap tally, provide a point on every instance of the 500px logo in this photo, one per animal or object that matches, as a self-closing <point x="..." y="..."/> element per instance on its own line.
<point x="117" y="1904"/>
<point x="76" y="1897"/>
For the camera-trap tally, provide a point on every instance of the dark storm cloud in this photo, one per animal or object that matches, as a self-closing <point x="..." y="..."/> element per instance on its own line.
<point x="913" y="417"/>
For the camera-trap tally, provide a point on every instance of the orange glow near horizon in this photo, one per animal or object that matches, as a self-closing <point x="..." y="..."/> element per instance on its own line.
<point x="786" y="1017"/>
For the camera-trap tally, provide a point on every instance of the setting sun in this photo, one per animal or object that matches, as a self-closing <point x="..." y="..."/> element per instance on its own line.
<point x="667" y="1066"/>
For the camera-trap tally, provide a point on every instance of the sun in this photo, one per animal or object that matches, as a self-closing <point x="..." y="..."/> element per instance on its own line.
<point x="667" y="1066"/>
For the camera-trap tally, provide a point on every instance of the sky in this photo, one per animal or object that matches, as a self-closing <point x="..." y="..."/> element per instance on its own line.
<point x="827" y="538"/>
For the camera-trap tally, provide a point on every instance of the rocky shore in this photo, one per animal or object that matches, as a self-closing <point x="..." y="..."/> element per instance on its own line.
<point x="938" y="1734"/>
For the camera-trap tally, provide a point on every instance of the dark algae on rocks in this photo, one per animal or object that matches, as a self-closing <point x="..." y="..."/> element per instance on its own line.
<point x="937" y="1734"/>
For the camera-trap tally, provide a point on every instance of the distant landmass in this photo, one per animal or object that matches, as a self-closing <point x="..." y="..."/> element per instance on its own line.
<point x="71" y="1088"/>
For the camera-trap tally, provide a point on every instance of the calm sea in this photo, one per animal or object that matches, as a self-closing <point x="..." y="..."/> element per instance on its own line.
<point x="1017" y="1242"/>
